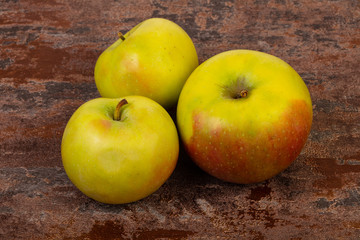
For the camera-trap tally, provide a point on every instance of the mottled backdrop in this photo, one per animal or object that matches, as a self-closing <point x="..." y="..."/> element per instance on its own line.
<point x="48" y="53"/>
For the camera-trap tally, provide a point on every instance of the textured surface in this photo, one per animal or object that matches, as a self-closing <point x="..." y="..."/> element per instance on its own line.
<point x="48" y="53"/>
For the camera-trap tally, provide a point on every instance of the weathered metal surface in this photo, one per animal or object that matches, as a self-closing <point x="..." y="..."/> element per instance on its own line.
<point x="47" y="57"/>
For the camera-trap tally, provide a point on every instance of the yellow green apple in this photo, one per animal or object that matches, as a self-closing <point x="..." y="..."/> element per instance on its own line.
<point x="153" y="59"/>
<point x="119" y="150"/>
<point x="244" y="116"/>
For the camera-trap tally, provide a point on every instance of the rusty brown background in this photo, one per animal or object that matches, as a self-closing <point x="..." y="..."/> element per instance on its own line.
<point x="47" y="58"/>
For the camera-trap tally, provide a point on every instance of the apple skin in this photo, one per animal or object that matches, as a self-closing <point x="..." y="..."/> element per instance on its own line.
<point x="119" y="161"/>
<point x="244" y="139"/>
<point x="154" y="60"/>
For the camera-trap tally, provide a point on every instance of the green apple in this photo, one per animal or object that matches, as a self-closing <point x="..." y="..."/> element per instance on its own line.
<point x="119" y="152"/>
<point x="153" y="59"/>
<point x="244" y="116"/>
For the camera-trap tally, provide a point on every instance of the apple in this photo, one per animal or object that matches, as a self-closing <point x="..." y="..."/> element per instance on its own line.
<point x="119" y="151"/>
<point x="153" y="59"/>
<point x="244" y="116"/>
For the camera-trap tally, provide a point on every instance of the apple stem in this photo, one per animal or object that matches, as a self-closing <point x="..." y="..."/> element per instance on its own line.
<point x="243" y="93"/>
<point x="121" y="36"/>
<point x="117" y="113"/>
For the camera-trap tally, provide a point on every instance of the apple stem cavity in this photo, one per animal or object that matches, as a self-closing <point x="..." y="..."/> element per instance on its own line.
<point x="121" y="36"/>
<point x="117" y="113"/>
<point x="237" y="89"/>
<point x="239" y="94"/>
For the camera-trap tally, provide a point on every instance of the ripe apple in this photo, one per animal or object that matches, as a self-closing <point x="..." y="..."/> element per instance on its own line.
<point x="153" y="59"/>
<point x="119" y="152"/>
<point x="244" y="116"/>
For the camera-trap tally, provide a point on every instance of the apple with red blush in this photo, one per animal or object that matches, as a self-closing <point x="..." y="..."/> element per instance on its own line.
<point x="244" y="116"/>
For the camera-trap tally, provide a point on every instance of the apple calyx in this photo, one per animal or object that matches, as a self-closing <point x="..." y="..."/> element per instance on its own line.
<point x="117" y="113"/>
<point x="121" y="36"/>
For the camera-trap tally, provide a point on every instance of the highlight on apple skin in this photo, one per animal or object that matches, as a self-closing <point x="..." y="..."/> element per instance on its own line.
<point x="153" y="59"/>
<point x="119" y="150"/>
<point x="244" y="116"/>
